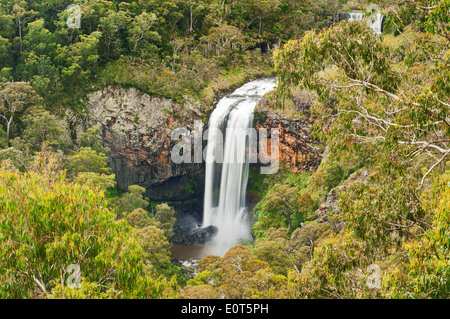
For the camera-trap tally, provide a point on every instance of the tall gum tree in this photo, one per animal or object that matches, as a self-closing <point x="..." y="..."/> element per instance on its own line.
<point x="404" y="108"/>
<point x="15" y="97"/>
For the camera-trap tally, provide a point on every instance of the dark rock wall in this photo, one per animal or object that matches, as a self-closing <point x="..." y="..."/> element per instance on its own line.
<point x="137" y="130"/>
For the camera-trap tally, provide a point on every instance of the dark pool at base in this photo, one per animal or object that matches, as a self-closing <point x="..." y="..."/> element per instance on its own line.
<point x="184" y="252"/>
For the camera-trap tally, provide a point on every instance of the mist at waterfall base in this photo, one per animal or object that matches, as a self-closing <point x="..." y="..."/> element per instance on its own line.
<point x="227" y="171"/>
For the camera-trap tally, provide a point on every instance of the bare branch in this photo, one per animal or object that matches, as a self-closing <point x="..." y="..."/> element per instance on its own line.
<point x="432" y="167"/>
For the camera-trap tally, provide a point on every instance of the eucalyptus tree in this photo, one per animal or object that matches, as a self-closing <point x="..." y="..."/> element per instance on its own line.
<point x="15" y="97"/>
<point x="402" y="107"/>
<point x="397" y="112"/>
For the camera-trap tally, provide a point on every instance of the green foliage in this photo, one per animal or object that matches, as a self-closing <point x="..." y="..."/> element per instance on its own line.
<point x="278" y="210"/>
<point x="223" y="38"/>
<point x="236" y="275"/>
<point x="319" y="185"/>
<point x="281" y="200"/>
<point x="387" y="115"/>
<point x="274" y="252"/>
<point x="40" y="127"/>
<point x="15" y="98"/>
<point x="382" y="103"/>
<point x="138" y="218"/>
<point x="146" y="287"/>
<point x="90" y="138"/>
<point x="305" y="204"/>
<point x="165" y="215"/>
<point x="186" y="38"/>
<point x="383" y="116"/>
<point x="154" y="234"/>
<point x="303" y="242"/>
<point x="89" y="164"/>
<point x="382" y="216"/>
<point x="131" y="200"/>
<point x="103" y="181"/>
<point x="356" y="61"/>
<point x="15" y="157"/>
<point x="335" y="175"/>
<point x="425" y="274"/>
<point x="390" y="202"/>
<point x="88" y="160"/>
<point x="3" y="139"/>
<point x="156" y="249"/>
<point x="57" y="223"/>
<point x="262" y="185"/>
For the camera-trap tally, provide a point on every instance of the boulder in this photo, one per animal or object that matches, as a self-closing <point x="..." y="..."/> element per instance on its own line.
<point x="199" y="235"/>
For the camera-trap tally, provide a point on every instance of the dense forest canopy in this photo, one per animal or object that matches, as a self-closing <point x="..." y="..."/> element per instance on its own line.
<point x="380" y="198"/>
<point x="164" y="39"/>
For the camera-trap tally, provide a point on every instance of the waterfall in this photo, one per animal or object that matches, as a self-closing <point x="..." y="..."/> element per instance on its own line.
<point x="227" y="164"/>
<point x="377" y="25"/>
<point x="355" y="16"/>
<point x="375" y="22"/>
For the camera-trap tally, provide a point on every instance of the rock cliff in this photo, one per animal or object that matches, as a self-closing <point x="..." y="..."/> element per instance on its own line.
<point x="137" y="129"/>
<point x="299" y="151"/>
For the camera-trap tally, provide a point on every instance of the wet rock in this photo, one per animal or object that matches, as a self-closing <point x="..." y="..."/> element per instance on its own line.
<point x="203" y="234"/>
<point x="199" y="235"/>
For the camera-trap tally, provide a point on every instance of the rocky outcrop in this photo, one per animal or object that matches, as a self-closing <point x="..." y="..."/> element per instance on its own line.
<point x="188" y="230"/>
<point x="298" y="150"/>
<point x="330" y="207"/>
<point x="137" y="129"/>
<point x="200" y="235"/>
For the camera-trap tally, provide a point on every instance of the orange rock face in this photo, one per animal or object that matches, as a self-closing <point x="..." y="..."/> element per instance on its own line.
<point x="297" y="149"/>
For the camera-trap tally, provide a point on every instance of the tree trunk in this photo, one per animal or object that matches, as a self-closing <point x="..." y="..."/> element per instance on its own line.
<point x="8" y="129"/>
<point x="20" y="36"/>
<point x="192" y="18"/>
<point x="290" y="222"/>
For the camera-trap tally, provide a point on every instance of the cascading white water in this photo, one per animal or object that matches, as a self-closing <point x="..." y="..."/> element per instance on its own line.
<point x="375" y="22"/>
<point x="227" y="171"/>
<point x="377" y="25"/>
<point x="355" y="16"/>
